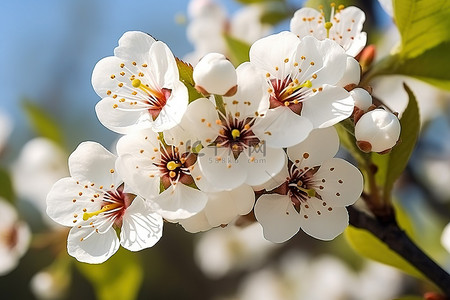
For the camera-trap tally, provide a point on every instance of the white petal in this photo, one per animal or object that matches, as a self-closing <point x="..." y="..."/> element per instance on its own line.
<point x="202" y="181"/>
<point x="92" y="162"/>
<point x="140" y="174"/>
<point x="180" y="202"/>
<point x="445" y="237"/>
<point x="252" y="97"/>
<point x="352" y="73"/>
<point x="324" y="226"/>
<point x="121" y="119"/>
<point x="141" y="228"/>
<point x="133" y="143"/>
<point x="174" y="109"/>
<point x="328" y="107"/>
<point x="163" y="66"/>
<point x="134" y="46"/>
<point x="352" y="41"/>
<point x="196" y="223"/>
<point x="219" y="166"/>
<point x="95" y="249"/>
<point x="264" y="55"/>
<point x="343" y="182"/>
<point x="305" y="20"/>
<point x="61" y="206"/>
<point x="275" y="181"/>
<point x="281" y="127"/>
<point x="263" y="164"/>
<point x="101" y="75"/>
<point x="320" y="145"/>
<point x="279" y="219"/>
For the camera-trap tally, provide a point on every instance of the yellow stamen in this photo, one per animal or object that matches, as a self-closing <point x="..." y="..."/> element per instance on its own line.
<point x="138" y="84"/>
<point x="171" y="165"/>
<point x="108" y="207"/>
<point x="328" y="26"/>
<point x="309" y="192"/>
<point x="235" y="133"/>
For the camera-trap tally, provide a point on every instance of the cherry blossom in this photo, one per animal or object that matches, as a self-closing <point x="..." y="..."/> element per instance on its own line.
<point x="344" y="26"/>
<point x="95" y="202"/>
<point x="139" y="86"/>
<point x="300" y="77"/>
<point x="314" y="194"/>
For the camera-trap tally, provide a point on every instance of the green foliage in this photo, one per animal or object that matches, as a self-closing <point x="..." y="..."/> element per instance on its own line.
<point x="275" y="12"/>
<point x="422" y="24"/>
<point x="390" y="166"/>
<point x="118" y="278"/>
<point x="6" y="188"/>
<point x="367" y="245"/>
<point x="238" y="50"/>
<point x="42" y="123"/>
<point x="185" y="70"/>
<point x="410" y="298"/>
<point x="345" y="130"/>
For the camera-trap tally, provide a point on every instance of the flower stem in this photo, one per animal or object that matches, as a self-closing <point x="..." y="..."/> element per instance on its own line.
<point x="219" y="104"/>
<point x="397" y="240"/>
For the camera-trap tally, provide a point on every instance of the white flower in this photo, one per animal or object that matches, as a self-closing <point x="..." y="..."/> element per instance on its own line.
<point x="40" y="164"/>
<point x="300" y="77"/>
<point x="377" y="130"/>
<point x="93" y="200"/>
<point x="139" y="85"/>
<point x="14" y="238"/>
<point x="445" y="237"/>
<point x="146" y="165"/>
<point x="344" y="26"/>
<point x="233" y="154"/>
<point x="221" y="209"/>
<point x="314" y="195"/>
<point x="214" y="74"/>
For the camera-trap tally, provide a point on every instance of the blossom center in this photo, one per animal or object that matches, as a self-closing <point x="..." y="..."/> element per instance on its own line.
<point x="288" y="92"/>
<point x="301" y="185"/>
<point x="156" y="98"/>
<point x="175" y="166"/>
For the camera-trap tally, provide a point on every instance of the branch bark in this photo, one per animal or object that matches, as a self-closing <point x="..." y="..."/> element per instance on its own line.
<point x="397" y="240"/>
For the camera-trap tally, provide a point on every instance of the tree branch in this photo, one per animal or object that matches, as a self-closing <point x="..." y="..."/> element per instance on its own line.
<point x="397" y="240"/>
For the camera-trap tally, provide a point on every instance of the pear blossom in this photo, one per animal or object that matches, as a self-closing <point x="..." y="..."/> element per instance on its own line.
<point x="344" y="26"/>
<point x="94" y="202"/>
<point x="363" y="100"/>
<point x="139" y="86"/>
<point x="377" y="131"/>
<point x="233" y="153"/>
<point x="146" y="165"/>
<point x="314" y="194"/>
<point x="300" y="77"/>
<point x="14" y="237"/>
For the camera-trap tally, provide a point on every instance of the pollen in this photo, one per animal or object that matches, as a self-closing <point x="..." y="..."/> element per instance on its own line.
<point x="122" y="65"/>
<point x="111" y="171"/>
<point x="314" y="76"/>
<point x="305" y="155"/>
<point x="144" y="65"/>
<point x="235" y="102"/>
<point x="113" y="76"/>
<point x="286" y="103"/>
<point x="120" y="84"/>
<point x="311" y="63"/>
<point x="122" y="73"/>
<point x="246" y="126"/>
<point x="172" y="174"/>
<point x="218" y="122"/>
<point x="267" y="74"/>
<point x="286" y="60"/>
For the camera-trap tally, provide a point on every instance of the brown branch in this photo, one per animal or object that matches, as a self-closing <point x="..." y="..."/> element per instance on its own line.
<point x="397" y="240"/>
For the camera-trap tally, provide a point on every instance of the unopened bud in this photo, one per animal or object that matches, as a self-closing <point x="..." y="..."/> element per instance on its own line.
<point x="366" y="57"/>
<point x="363" y="100"/>
<point x="352" y="73"/>
<point x="214" y="74"/>
<point x="377" y="131"/>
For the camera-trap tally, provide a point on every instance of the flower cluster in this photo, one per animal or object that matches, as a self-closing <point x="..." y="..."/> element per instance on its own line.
<point x="256" y="140"/>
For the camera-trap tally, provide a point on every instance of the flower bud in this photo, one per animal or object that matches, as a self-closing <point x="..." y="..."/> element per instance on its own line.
<point x="214" y="74"/>
<point x="352" y="73"/>
<point x="363" y="100"/>
<point x="377" y="131"/>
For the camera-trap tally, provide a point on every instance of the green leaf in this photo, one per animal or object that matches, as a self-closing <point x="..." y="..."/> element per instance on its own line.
<point x="422" y="24"/>
<point x="185" y="70"/>
<point x="410" y="298"/>
<point x="391" y="165"/>
<point x="275" y="12"/>
<point x="367" y="245"/>
<point x="42" y="123"/>
<point x="120" y="277"/>
<point x="238" y="50"/>
<point x="6" y="187"/>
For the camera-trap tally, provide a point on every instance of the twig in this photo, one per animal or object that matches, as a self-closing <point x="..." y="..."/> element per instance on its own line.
<point x="396" y="239"/>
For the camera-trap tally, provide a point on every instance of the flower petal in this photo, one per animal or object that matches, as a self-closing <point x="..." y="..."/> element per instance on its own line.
<point x="174" y="109"/>
<point x="133" y="143"/>
<point x="263" y="164"/>
<point x="95" y="249"/>
<point x="328" y="107"/>
<point x="67" y="199"/>
<point x="320" y="145"/>
<point x="343" y="182"/>
<point x="93" y="163"/>
<point x="281" y="127"/>
<point x="220" y="167"/>
<point x="279" y="219"/>
<point x="141" y="228"/>
<point x="133" y="46"/>
<point x="180" y="202"/>
<point x="322" y="223"/>
<point x="306" y="22"/>
<point x="196" y="223"/>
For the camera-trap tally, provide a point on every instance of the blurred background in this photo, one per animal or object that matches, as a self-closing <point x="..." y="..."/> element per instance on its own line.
<point x="48" y="50"/>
